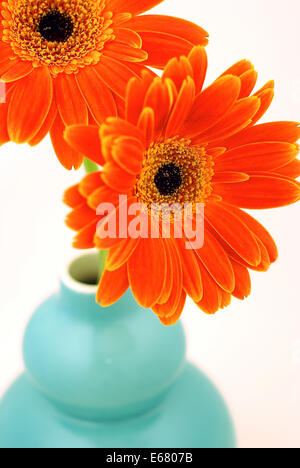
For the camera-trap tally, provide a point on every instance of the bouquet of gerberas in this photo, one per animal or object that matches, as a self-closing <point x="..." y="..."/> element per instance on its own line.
<point x="171" y="165"/>
<point x="78" y="70"/>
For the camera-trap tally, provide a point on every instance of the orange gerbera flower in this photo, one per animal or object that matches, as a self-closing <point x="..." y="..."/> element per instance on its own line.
<point x="68" y="62"/>
<point x="180" y="144"/>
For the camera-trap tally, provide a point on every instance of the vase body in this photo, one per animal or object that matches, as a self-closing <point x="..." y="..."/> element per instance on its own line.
<point x="109" y="377"/>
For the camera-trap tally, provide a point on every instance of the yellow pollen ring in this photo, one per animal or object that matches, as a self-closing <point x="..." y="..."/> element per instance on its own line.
<point x="91" y="30"/>
<point x="195" y="165"/>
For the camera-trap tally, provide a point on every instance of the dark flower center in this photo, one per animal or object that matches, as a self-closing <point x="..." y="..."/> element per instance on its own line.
<point x="168" y="179"/>
<point x="55" y="26"/>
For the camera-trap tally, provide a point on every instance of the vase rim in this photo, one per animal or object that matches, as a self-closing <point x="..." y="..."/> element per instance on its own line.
<point x="79" y="270"/>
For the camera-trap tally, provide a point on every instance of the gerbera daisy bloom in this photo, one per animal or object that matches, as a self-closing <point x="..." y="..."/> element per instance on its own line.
<point x="68" y="62"/>
<point x="180" y="143"/>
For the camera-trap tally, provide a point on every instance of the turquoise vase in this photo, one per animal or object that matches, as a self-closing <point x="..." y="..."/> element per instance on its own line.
<point x="108" y="378"/>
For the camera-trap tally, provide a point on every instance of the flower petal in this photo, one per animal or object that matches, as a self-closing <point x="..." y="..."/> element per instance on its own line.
<point x="17" y="71"/>
<point x="181" y="108"/>
<point x="234" y="121"/>
<point x="162" y="47"/>
<point x="261" y="192"/>
<point x="116" y="178"/>
<point x="66" y="155"/>
<point x="26" y="115"/>
<point x="258" y="230"/>
<point x="263" y="156"/>
<point x="173" y="319"/>
<point x="229" y="177"/>
<point x="169" y="25"/>
<point x="192" y="282"/>
<point x="115" y="75"/>
<point x="84" y="239"/>
<point x="291" y="170"/>
<point x="120" y="51"/>
<point x="120" y="254"/>
<point x="112" y="286"/>
<point x="70" y="103"/>
<point x="128" y="153"/>
<point x="233" y="231"/>
<point x="86" y="140"/>
<point x="273" y="131"/>
<point x="211" y="300"/>
<point x="135" y="96"/>
<point x="96" y="94"/>
<point x="72" y="197"/>
<point x="147" y="270"/>
<point x="242" y="281"/>
<point x="216" y="261"/>
<point x="47" y="125"/>
<point x="211" y="105"/>
<point x="136" y="7"/>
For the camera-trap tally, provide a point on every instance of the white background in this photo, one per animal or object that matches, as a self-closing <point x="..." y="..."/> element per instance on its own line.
<point x="252" y="349"/>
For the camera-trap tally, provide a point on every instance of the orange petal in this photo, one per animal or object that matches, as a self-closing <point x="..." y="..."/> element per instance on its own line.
<point x="115" y="75"/>
<point x="90" y="183"/>
<point x="120" y="51"/>
<point x="242" y="281"/>
<point x="211" y="105"/>
<point x="158" y="99"/>
<point x="70" y="103"/>
<point x="117" y="127"/>
<point x="117" y="179"/>
<point x="291" y="170"/>
<point x="198" y="60"/>
<point x="170" y="273"/>
<point x="86" y="140"/>
<point x="80" y="217"/>
<point x="162" y="47"/>
<point x="96" y="94"/>
<point x="173" y="319"/>
<point x="26" y="115"/>
<point x="235" y="120"/>
<point x="135" y="96"/>
<point x="147" y="270"/>
<point x="211" y="300"/>
<point x="66" y="155"/>
<point x="146" y="124"/>
<point x="233" y="231"/>
<point x="257" y="157"/>
<point x="18" y="70"/>
<point x="120" y="254"/>
<point x="216" y="261"/>
<point x="128" y="153"/>
<point x="45" y="128"/>
<point x="239" y="68"/>
<point x="169" y="25"/>
<point x="248" y="81"/>
<point x="258" y="230"/>
<point x="72" y="197"/>
<point x="168" y="308"/>
<point x="135" y="7"/>
<point x="266" y="96"/>
<point x="112" y="286"/>
<point x="192" y="282"/>
<point x="261" y="192"/>
<point x="128" y="36"/>
<point x="177" y="70"/>
<point x="229" y="177"/>
<point x="102" y="195"/>
<point x="181" y="108"/>
<point x="84" y="239"/>
<point x="273" y="131"/>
